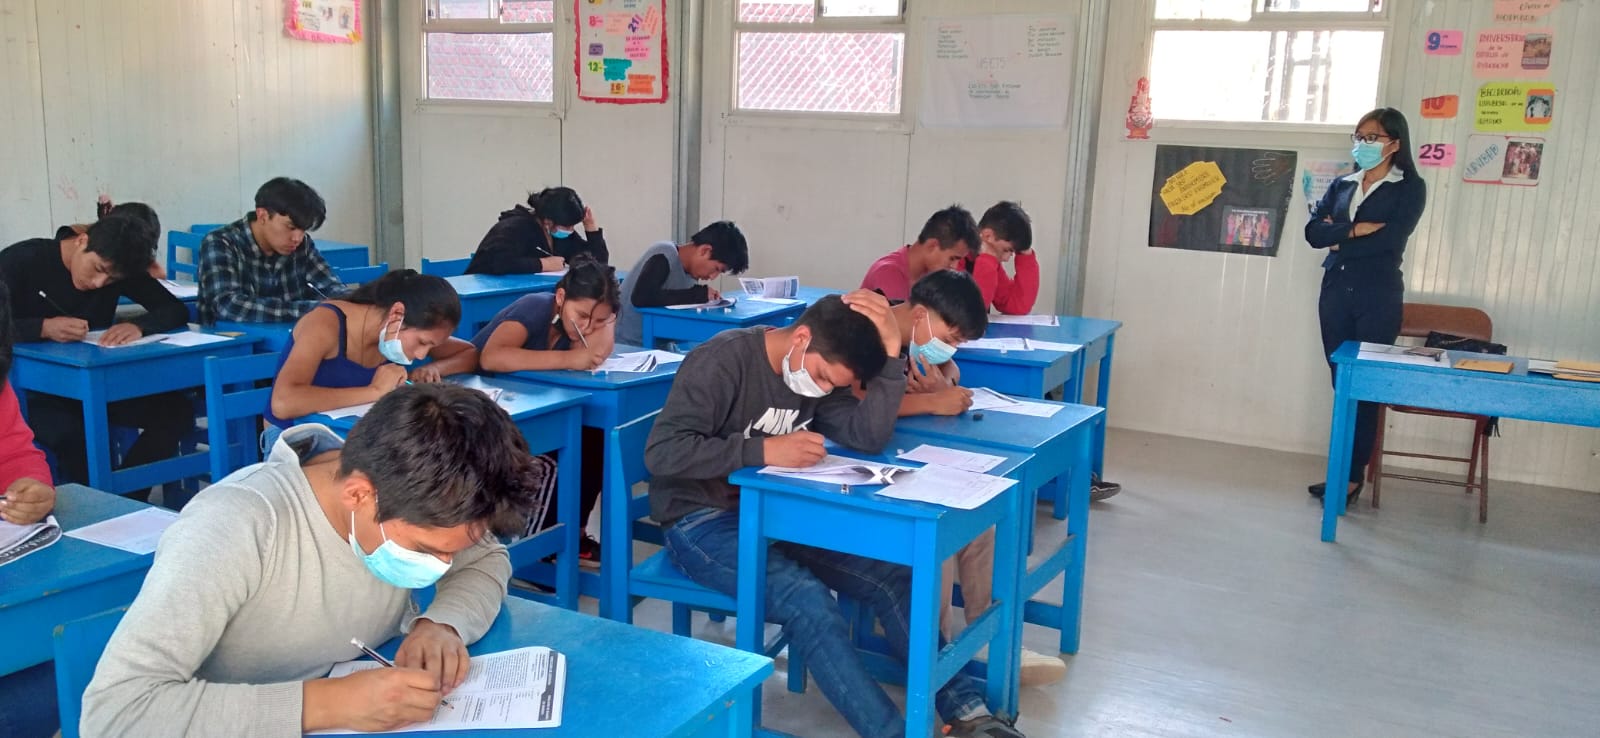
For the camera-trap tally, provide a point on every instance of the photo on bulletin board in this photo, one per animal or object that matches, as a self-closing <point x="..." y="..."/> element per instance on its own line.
<point x="1228" y="200"/>
<point x="621" y="55"/>
<point x="323" y="21"/>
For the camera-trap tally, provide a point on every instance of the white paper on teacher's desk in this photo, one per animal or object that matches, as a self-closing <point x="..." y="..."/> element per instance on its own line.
<point x="952" y="457"/>
<point x="1398" y="355"/>
<point x="1034" y="409"/>
<point x="781" y="287"/>
<point x="1048" y="320"/>
<point x="522" y="689"/>
<point x="841" y="470"/>
<point x="984" y="398"/>
<point x="943" y="485"/>
<point x="136" y="532"/>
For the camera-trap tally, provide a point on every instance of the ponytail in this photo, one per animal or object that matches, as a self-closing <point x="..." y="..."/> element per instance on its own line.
<point x="560" y="204"/>
<point x="429" y="300"/>
<point x="587" y="279"/>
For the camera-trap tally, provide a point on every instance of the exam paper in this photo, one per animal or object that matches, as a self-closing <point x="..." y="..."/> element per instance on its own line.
<point x="1398" y="355"/>
<point x="640" y="361"/>
<point x="1050" y="320"/>
<point x="840" y="470"/>
<point x="17" y="541"/>
<point x="93" y="338"/>
<point x="786" y="287"/>
<point x="1035" y="409"/>
<point x="943" y="485"/>
<point x="1037" y="345"/>
<point x="181" y="290"/>
<point x="777" y="300"/>
<point x="519" y="689"/>
<point x="192" y="338"/>
<point x="984" y="398"/>
<point x="664" y="357"/>
<point x="725" y="302"/>
<point x="562" y="272"/>
<point x="136" y="532"/>
<point x="358" y="411"/>
<point x="952" y="457"/>
<point x="997" y="344"/>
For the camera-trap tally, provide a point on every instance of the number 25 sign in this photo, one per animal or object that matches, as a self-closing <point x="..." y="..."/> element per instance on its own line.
<point x="1436" y="155"/>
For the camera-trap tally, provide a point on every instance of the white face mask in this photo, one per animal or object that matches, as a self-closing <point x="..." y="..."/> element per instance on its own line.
<point x="799" y="380"/>
<point x="392" y="349"/>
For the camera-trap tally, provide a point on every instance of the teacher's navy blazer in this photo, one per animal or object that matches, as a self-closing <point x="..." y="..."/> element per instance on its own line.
<point x="1397" y="205"/>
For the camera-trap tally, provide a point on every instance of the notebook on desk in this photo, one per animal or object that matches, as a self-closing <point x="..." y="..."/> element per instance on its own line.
<point x="17" y="541"/>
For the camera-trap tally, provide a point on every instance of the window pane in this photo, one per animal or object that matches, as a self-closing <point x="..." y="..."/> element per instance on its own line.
<point x="777" y="11"/>
<point x="527" y="11"/>
<point x="464" y="9"/>
<point x="1289" y="76"/>
<point x="1203" y="9"/>
<point x="820" y="72"/>
<point x="490" y="66"/>
<point x="1322" y="6"/>
<point x="860" y="8"/>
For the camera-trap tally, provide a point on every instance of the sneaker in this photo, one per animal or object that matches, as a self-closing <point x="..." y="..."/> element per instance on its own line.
<point x="588" y="551"/>
<point x="986" y="726"/>
<point x="1100" y="489"/>
<point x="1039" y="669"/>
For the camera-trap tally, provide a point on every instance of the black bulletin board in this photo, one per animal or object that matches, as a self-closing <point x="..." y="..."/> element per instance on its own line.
<point x="1247" y="218"/>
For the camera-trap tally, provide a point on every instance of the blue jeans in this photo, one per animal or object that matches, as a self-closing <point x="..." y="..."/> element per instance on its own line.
<point x="28" y="702"/>
<point x="705" y="546"/>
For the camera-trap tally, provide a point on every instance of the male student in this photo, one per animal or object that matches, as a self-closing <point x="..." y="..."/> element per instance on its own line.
<point x="756" y="396"/>
<point x="262" y="582"/>
<point x="1006" y="233"/>
<point x="943" y="243"/>
<point x="136" y="209"/>
<point x="670" y="274"/>
<point x="263" y="268"/>
<point x="61" y="290"/>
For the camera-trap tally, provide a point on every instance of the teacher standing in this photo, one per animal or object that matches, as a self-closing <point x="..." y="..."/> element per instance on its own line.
<point x="1364" y="221"/>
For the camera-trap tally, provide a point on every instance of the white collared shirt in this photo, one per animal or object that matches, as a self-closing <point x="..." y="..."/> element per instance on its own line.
<point x="1356" y="198"/>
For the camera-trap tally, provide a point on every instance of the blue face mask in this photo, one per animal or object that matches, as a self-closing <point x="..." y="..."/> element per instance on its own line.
<point x="1367" y="154"/>
<point x="400" y="567"/>
<point x="391" y="348"/>
<point x="558" y="233"/>
<point x="935" y="351"/>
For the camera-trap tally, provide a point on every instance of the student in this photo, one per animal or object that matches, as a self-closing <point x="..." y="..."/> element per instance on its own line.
<point x="61" y="290"/>
<point x="136" y="209"/>
<point x="943" y="243"/>
<point x="355" y="350"/>
<point x="1006" y="233"/>
<point x="263" y="268"/>
<point x="572" y="328"/>
<point x="540" y="236"/>
<point x="260" y="585"/>
<point x="668" y="274"/>
<point x="746" y="398"/>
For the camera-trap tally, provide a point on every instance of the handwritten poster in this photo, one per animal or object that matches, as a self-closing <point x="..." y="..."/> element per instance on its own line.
<point x="1206" y="198"/>
<point x="622" y="50"/>
<point x="323" y="21"/>
<point x="1512" y="54"/>
<point x="998" y="71"/>
<point x="1192" y="188"/>
<point x="1503" y="160"/>
<point x="1521" y="11"/>
<point x="1510" y="107"/>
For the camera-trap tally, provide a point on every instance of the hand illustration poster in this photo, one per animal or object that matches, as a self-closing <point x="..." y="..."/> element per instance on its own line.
<point x="1221" y="199"/>
<point x="622" y="50"/>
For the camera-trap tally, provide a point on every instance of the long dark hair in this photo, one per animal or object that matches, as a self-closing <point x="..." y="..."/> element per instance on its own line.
<point x="429" y="300"/>
<point x="587" y="279"/>
<point x="7" y="337"/>
<point x="560" y="204"/>
<point x="1393" y="123"/>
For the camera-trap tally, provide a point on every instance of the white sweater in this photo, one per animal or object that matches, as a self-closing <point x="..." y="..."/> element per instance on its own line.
<point x="251" y="594"/>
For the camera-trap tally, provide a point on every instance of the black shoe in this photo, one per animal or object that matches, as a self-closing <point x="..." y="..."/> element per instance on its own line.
<point x="1320" y="488"/>
<point x="1355" y="494"/>
<point x="588" y="551"/>
<point x="1317" y="490"/>
<point x="1100" y="489"/>
<point x="987" y="726"/>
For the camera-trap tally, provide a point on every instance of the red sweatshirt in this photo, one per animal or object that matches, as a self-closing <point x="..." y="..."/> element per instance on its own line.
<point x="19" y="458"/>
<point x="1000" y="291"/>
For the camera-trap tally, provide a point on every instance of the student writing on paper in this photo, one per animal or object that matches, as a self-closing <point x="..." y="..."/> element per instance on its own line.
<point x="670" y="274"/>
<point x="258" y="588"/>
<point x="747" y="398"/>
<point x="264" y="267"/>
<point x="356" y="350"/>
<point x="136" y="209"/>
<point x="541" y="236"/>
<point x="61" y="290"/>
<point x="574" y="328"/>
<point x="1006" y="235"/>
<point x="943" y="243"/>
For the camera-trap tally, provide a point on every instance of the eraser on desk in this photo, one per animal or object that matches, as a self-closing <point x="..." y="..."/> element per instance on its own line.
<point x="977" y="416"/>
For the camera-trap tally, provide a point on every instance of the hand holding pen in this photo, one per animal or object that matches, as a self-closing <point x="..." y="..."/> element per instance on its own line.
<point x="375" y="656"/>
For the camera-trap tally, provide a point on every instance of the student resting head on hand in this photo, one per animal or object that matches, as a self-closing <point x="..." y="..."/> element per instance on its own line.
<point x="541" y="236"/>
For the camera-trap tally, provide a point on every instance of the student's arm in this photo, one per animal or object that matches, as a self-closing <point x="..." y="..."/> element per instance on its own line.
<point x="163" y="312"/>
<point x="682" y="444"/>
<point x="454" y="356"/>
<point x="468" y="596"/>
<point x="28" y="328"/>
<point x="647" y="290"/>
<point x="315" y="339"/>
<point x="221" y="278"/>
<point x="321" y="275"/>
<point x="865" y="424"/>
<point x="596" y="239"/>
<point x="1390" y="240"/>
<point x="1328" y="225"/>
<point x="19" y="458"/>
<point x="1010" y="296"/>
<point x="504" y="352"/>
<point x="501" y="252"/>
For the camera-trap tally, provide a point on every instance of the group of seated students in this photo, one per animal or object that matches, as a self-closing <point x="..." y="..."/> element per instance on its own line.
<point x="434" y="476"/>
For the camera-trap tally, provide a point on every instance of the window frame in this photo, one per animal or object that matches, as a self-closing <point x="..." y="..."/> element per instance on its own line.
<point x="897" y="122"/>
<point x="1262" y="19"/>
<point x="554" y="108"/>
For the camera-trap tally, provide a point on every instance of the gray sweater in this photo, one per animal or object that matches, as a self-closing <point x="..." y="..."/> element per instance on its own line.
<point x="669" y="286"/>
<point x="251" y="594"/>
<point x="726" y="398"/>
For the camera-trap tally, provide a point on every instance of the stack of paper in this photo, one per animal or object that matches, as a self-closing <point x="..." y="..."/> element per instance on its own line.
<point x="562" y="272"/>
<point x="770" y="287"/>
<point x="841" y="470"/>
<point x="943" y="485"/>
<point x="997" y="344"/>
<point x="17" y="541"/>
<point x="520" y="689"/>
<point x="359" y="411"/>
<point x="952" y="457"/>
<point x="1049" y="320"/>
<point x="182" y="290"/>
<point x="136" y="532"/>
<point x="1399" y="355"/>
<point x="1580" y="371"/>
<point x="725" y="302"/>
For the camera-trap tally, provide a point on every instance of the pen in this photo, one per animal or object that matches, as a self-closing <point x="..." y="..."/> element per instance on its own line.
<point x="375" y="656"/>
<point x="59" y="309"/>
<point x="585" y="342"/>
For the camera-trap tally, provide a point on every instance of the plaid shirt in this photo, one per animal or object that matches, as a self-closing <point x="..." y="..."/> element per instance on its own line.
<point x="239" y="282"/>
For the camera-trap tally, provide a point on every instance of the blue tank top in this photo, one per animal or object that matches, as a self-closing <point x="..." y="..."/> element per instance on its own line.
<point x="339" y="372"/>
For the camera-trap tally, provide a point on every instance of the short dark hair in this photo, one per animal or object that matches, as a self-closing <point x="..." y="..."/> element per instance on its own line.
<point x="560" y="204"/>
<point x="950" y="226"/>
<point x="296" y="199"/>
<point x="1010" y="223"/>
<point x="127" y="243"/>
<point x="442" y="455"/>
<point x="7" y="334"/>
<point x="954" y="297"/>
<point x="429" y="300"/>
<point x="727" y="245"/>
<point x="587" y="279"/>
<point x="843" y="336"/>
<point x="137" y="210"/>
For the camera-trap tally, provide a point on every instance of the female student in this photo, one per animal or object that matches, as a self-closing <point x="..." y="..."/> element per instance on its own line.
<point x="1364" y="221"/>
<point x="354" y="350"/>
<point x="540" y="237"/>
<point x="573" y="328"/>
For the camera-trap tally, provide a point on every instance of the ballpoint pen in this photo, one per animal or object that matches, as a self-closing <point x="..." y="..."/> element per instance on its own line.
<point x="375" y="656"/>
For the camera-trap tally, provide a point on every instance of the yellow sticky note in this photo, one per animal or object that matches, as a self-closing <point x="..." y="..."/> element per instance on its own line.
<point x="1193" y="188"/>
<point x="1511" y="107"/>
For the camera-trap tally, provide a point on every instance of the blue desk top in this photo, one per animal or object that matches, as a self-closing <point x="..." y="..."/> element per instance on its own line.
<point x="83" y="355"/>
<point x="989" y="429"/>
<point x="69" y="562"/>
<point x="593" y="382"/>
<point x="1347" y="354"/>
<point x="812" y="294"/>
<point x="622" y="680"/>
<point x="745" y="312"/>
<point x="337" y="245"/>
<point x="478" y="285"/>
<point x="1082" y="331"/>
<point x="521" y="400"/>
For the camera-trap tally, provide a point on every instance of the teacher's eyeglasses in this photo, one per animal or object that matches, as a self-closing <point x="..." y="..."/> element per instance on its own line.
<point x="1367" y="137"/>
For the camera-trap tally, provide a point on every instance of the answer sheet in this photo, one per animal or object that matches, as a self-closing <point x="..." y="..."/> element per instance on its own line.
<point x="519" y="689"/>
<point x="1035" y="409"/>
<point x="1036" y="345"/>
<point x="725" y="302"/>
<point x="840" y="470"/>
<point x="1049" y="320"/>
<point x="192" y="338"/>
<point x="984" y="398"/>
<point x="943" y="485"/>
<point x="997" y="344"/>
<point x="951" y="457"/>
<point x="93" y="338"/>
<point x="136" y="532"/>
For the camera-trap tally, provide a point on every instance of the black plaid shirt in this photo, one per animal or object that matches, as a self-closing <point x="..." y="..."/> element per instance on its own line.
<point x="239" y="282"/>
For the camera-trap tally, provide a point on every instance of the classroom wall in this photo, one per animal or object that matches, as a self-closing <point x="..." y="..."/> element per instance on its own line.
<point x="188" y="105"/>
<point x="1226" y="347"/>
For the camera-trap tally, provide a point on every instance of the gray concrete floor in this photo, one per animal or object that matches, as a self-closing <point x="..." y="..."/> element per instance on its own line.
<point x="1213" y="609"/>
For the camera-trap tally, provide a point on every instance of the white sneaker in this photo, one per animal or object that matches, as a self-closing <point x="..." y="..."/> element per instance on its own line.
<point x="1037" y="668"/>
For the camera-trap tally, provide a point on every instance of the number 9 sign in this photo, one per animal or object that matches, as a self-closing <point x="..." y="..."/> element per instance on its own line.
<point x="1442" y="43"/>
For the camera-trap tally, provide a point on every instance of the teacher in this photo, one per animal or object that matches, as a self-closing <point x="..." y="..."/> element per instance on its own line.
<point x="1364" y="221"/>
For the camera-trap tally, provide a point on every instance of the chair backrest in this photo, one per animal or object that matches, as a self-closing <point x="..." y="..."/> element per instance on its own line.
<point x="1419" y="319"/>
<point x="625" y="469"/>
<point x="78" y="645"/>
<point x="446" y="267"/>
<point x="355" y="276"/>
<point x="233" y="402"/>
<point x="186" y="263"/>
<point x="204" y="228"/>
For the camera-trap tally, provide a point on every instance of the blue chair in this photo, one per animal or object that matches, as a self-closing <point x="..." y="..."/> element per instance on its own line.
<point x="233" y="402"/>
<point x="446" y="267"/>
<point x="356" y="276"/>
<point x="204" y="228"/>
<point x="78" y="645"/>
<point x="187" y="264"/>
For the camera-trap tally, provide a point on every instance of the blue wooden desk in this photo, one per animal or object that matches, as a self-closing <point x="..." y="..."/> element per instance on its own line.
<point x="919" y="535"/>
<point x="70" y="579"/>
<point x="812" y="294"/>
<point x="341" y="255"/>
<point x="627" y="681"/>
<point x="662" y="324"/>
<point x="98" y="376"/>
<point x="483" y="295"/>
<point x="550" y="419"/>
<point x="272" y="336"/>
<point x="1062" y="448"/>
<point x="1519" y="395"/>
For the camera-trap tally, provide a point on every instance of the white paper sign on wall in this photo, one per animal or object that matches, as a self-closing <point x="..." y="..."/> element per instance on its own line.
<point x="1000" y="71"/>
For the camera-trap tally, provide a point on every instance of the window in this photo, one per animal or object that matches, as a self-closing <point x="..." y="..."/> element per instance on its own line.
<point x="820" y="56"/>
<point x="489" y="50"/>
<point x="1278" y="61"/>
